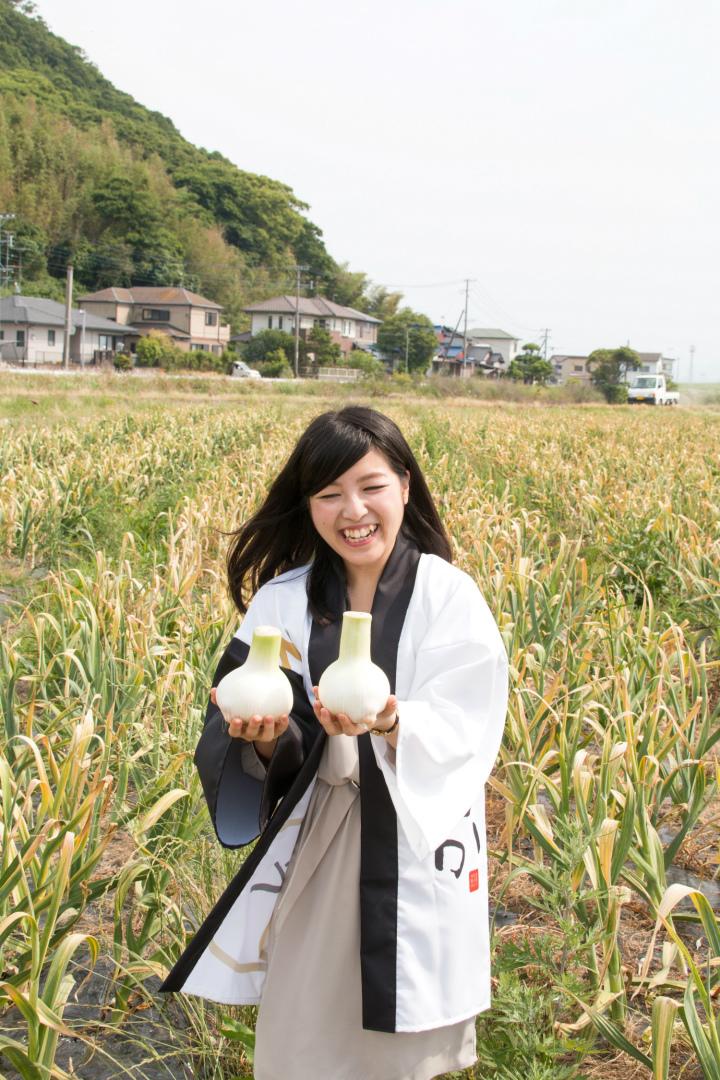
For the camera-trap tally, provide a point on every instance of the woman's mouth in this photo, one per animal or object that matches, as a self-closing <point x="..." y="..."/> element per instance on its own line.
<point x="359" y="537"/>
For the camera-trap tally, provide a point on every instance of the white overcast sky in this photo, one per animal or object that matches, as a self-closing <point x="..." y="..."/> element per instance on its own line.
<point x="564" y="154"/>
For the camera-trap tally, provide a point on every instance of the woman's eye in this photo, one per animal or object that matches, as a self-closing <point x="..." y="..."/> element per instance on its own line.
<point x="327" y="496"/>
<point x="378" y="487"/>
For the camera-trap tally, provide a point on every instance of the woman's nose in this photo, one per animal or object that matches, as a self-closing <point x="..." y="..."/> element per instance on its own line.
<point x="354" y="506"/>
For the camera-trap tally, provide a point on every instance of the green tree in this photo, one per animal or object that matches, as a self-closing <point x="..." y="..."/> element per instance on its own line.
<point x="380" y="302"/>
<point x="347" y="287"/>
<point x="156" y="350"/>
<point x="106" y="264"/>
<point x="309" y="250"/>
<point x="269" y="341"/>
<point x="327" y="352"/>
<point x="529" y="366"/>
<point x="275" y="365"/>
<point x="608" y="370"/>
<point x="83" y="161"/>
<point x="366" y="362"/>
<point x="408" y="335"/>
<point x="30" y="242"/>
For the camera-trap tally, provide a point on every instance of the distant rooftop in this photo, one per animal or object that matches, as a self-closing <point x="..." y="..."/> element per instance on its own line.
<point x="36" y="310"/>
<point x="151" y="294"/>
<point x="491" y="334"/>
<point x="317" y="306"/>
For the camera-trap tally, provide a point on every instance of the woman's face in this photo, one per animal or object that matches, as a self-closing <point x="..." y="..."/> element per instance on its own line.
<point x="360" y="513"/>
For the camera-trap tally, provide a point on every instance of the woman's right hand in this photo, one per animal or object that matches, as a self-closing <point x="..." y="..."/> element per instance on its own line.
<point x="262" y="730"/>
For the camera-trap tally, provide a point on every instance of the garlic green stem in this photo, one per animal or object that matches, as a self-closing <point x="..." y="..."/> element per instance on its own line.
<point x="355" y="636"/>
<point x="264" y="652"/>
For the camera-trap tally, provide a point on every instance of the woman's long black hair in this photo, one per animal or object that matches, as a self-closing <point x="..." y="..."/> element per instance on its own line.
<point x="280" y="535"/>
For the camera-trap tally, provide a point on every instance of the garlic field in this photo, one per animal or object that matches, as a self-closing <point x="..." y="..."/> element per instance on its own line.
<point x="594" y="535"/>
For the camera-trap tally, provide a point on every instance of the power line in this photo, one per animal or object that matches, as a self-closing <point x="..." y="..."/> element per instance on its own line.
<point x="503" y="312"/>
<point x="424" y="285"/>
<point x="283" y="277"/>
<point x="108" y="259"/>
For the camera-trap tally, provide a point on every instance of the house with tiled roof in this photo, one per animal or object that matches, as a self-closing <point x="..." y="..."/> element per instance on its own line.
<point x="192" y="321"/>
<point x="32" y="331"/>
<point x="348" y="327"/>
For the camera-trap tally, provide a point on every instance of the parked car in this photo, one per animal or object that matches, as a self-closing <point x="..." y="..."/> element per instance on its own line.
<point x="241" y="370"/>
<point x="652" y="390"/>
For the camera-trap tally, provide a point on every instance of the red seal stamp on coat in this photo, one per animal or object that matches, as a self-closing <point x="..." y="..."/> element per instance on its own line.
<point x="474" y="880"/>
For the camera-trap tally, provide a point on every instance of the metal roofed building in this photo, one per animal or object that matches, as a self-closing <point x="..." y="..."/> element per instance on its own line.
<point x="346" y="326"/>
<point x="499" y="341"/>
<point x="32" y="331"/>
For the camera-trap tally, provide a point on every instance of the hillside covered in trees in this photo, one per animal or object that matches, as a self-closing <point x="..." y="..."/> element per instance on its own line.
<point x="93" y="176"/>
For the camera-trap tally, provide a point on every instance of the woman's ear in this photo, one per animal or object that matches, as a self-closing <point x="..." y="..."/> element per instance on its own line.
<point x="406" y="487"/>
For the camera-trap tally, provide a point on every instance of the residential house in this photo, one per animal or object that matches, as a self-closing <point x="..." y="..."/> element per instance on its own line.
<point x="192" y="321"/>
<point x="32" y="331"/>
<point x="658" y="364"/>
<point x="347" y="327"/>
<point x="451" y="359"/>
<point x="570" y="367"/>
<point x="499" y="341"/>
<point x="487" y="361"/>
<point x="575" y="367"/>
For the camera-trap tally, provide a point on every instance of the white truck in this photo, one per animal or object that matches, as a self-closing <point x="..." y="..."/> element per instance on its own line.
<point x="651" y="390"/>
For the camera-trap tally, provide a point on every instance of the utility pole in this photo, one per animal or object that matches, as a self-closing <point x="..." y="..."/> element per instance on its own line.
<point x="546" y="335"/>
<point x="692" y="357"/>
<point x="5" y="267"/>
<point x="9" y="262"/>
<point x="82" y="339"/>
<point x="298" y="271"/>
<point x="3" y="219"/>
<point x="465" y="320"/>
<point x="68" y="316"/>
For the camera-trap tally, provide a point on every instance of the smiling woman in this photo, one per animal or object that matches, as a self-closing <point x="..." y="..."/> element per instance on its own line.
<point x="359" y="516"/>
<point x="359" y="922"/>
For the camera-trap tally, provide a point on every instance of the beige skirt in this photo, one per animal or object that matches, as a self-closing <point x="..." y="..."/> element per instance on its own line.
<point x="310" y="1019"/>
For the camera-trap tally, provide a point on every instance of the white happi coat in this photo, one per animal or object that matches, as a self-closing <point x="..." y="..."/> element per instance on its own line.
<point x="425" y="952"/>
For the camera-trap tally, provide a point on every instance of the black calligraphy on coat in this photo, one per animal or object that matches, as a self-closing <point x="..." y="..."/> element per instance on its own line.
<point x="451" y="853"/>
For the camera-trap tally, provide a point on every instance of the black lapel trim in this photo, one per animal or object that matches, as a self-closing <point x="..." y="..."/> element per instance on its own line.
<point x="379" y="834"/>
<point x="209" y="928"/>
<point x="324" y="644"/>
<point x="378" y="821"/>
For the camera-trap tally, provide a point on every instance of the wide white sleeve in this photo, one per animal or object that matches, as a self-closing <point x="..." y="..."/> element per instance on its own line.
<point x="451" y="725"/>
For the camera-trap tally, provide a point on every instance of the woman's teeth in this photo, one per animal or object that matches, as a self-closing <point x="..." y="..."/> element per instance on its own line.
<point x="359" y="534"/>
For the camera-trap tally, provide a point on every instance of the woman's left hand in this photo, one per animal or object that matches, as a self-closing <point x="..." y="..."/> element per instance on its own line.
<point x="340" y="724"/>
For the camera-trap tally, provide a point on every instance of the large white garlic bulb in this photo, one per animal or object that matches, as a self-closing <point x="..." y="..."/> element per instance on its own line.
<point x="259" y="687"/>
<point x="353" y="684"/>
